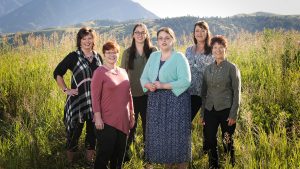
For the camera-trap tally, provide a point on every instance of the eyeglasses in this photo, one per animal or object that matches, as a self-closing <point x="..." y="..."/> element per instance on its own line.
<point x="111" y="53"/>
<point x="140" y="33"/>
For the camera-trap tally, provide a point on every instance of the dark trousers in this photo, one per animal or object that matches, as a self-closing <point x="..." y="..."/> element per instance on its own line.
<point x="212" y="120"/>
<point x="196" y="103"/>
<point x="111" y="145"/>
<point x="140" y="108"/>
<point x="74" y="134"/>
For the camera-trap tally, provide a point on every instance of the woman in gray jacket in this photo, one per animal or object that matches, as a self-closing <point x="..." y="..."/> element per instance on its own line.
<point x="221" y="91"/>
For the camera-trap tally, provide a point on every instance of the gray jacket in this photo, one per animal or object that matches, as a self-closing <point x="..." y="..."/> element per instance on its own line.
<point x="221" y="88"/>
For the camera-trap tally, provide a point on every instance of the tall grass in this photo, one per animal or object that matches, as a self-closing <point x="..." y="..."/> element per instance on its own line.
<point x="267" y="135"/>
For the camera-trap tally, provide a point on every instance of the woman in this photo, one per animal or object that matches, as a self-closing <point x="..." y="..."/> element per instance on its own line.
<point x="113" y="109"/>
<point x="199" y="56"/>
<point x="168" y="124"/>
<point x="133" y="61"/>
<point x="221" y="92"/>
<point x="78" y="107"/>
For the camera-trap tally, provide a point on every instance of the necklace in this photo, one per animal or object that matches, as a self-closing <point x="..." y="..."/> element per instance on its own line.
<point x="89" y="58"/>
<point x="114" y="71"/>
<point x="88" y="55"/>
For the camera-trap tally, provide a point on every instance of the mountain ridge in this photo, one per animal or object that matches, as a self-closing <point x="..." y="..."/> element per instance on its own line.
<point x="229" y="26"/>
<point x="39" y="14"/>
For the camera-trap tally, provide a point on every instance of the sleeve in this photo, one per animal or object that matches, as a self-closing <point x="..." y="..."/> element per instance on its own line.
<point x="63" y="66"/>
<point x="203" y="93"/>
<point x="131" y="108"/>
<point x="96" y="90"/>
<point x="124" y="61"/>
<point x="184" y="76"/>
<point x="145" y="75"/>
<point x="235" y="76"/>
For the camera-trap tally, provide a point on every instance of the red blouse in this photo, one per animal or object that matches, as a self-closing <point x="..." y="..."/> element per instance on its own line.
<point x="111" y="96"/>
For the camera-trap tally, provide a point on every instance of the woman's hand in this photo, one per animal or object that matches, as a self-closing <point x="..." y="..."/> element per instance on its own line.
<point x="131" y="121"/>
<point x="98" y="121"/>
<point x="158" y="85"/>
<point x="72" y="92"/>
<point x="231" y="121"/>
<point x="150" y="86"/>
<point x="202" y="122"/>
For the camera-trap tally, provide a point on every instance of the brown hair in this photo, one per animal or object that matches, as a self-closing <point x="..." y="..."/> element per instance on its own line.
<point x="168" y="31"/>
<point x="147" y="45"/>
<point x="204" y="25"/>
<point x="84" y="32"/>
<point x="110" y="45"/>
<point x="219" y="39"/>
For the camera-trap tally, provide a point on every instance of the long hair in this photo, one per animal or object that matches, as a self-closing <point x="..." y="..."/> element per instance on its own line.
<point x="132" y="49"/>
<point x="204" y="25"/>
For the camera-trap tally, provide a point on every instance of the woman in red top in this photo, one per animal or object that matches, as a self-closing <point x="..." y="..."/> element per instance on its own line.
<point x="113" y="109"/>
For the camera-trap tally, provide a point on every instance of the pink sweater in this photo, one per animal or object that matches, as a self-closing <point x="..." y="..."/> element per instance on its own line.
<point x="111" y="96"/>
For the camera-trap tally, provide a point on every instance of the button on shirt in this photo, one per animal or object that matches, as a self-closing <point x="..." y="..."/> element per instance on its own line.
<point x="221" y="88"/>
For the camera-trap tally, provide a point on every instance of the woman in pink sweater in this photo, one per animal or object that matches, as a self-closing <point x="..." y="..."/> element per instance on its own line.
<point x="113" y="109"/>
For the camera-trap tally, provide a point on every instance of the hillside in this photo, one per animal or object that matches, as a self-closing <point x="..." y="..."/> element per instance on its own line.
<point x="229" y="26"/>
<point x="40" y="14"/>
<point x="267" y="134"/>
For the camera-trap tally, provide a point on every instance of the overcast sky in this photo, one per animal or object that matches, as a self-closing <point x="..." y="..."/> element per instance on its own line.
<point x="223" y="8"/>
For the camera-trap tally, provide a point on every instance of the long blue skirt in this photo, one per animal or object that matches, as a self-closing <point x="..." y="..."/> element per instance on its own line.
<point x="168" y="127"/>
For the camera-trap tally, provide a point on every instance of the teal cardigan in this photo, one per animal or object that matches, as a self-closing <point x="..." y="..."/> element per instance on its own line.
<point x="175" y="71"/>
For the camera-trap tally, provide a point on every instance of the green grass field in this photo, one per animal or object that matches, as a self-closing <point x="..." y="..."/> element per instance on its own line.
<point x="268" y="130"/>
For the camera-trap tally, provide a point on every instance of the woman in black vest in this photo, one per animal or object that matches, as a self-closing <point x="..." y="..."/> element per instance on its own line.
<point x="78" y="107"/>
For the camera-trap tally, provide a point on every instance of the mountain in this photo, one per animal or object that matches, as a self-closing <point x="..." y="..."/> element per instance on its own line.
<point x="257" y="14"/>
<point x="182" y="26"/>
<point x="229" y="26"/>
<point x="7" y="6"/>
<point x="39" y="14"/>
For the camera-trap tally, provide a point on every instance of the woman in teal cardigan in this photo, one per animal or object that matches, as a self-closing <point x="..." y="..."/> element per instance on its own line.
<point x="166" y="78"/>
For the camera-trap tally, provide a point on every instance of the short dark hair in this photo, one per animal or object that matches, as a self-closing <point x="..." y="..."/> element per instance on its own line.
<point x="219" y="39"/>
<point x="109" y="46"/>
<point x="84" y="32"/>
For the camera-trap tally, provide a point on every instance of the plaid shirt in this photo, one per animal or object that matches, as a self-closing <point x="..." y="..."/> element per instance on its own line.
<point x="78" y="108"/>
